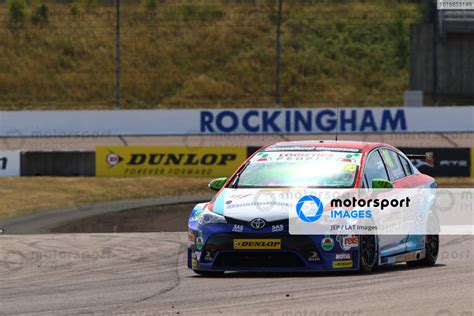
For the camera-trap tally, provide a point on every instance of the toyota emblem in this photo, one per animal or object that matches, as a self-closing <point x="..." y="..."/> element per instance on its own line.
<point x="257" y="223"/>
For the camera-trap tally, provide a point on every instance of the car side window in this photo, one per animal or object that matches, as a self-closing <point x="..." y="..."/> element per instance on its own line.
<point x="375" y="168"/>
<point x="393" y="164"/>
<point x="406" y="165"/>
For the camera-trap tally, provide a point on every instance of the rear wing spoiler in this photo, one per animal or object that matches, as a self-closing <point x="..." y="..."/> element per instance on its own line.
<point x="428" y="157"/>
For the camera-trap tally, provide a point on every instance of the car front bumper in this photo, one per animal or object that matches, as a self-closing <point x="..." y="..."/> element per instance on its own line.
<point x="230" y="251"/>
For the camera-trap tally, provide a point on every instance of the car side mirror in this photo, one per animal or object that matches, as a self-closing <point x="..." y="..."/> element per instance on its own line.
<point x="217" y="184"/>
<point x="381" y="184"/>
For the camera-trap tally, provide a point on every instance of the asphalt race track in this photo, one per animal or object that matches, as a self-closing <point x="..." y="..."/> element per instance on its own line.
<point x="146" y="274"/>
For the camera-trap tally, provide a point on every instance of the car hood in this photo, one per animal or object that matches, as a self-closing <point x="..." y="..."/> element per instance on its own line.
<point x="248" y="204"/>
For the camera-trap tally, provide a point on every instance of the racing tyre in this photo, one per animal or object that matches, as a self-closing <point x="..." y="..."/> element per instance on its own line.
<point x="432" y="250"/>
<point x="368" y="253"/>
<point x="209" y="274"/>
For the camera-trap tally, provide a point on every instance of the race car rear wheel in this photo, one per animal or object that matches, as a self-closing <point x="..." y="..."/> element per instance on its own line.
<point x="432" y="250"/>
<point x="209" y="274"/>
<point x="368" y="253"/>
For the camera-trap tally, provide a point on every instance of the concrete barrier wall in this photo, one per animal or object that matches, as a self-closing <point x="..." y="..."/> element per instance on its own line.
<point x="191" y="122"/>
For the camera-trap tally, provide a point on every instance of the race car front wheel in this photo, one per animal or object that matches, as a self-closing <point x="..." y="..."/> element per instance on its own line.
<point x="368" y="253"/>
<point x="209" y="274"/>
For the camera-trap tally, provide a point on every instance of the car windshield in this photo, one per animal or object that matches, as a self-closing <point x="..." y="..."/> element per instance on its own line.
<point x="301" y="168"/>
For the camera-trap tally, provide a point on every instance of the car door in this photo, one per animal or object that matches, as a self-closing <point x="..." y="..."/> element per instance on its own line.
<point x="399" y="173"/>
<point x="406" y="178"/>
<point x="376" y="168"/>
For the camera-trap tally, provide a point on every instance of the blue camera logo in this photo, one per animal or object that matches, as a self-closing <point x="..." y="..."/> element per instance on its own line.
<point x="309" y="204"/>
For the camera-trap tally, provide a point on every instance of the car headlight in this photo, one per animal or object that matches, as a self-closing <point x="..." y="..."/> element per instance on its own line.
<point x="208" y="217"/>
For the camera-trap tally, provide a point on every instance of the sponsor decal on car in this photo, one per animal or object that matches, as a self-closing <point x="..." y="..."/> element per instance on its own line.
<point x="348" y="242"/>
<point x="257" y="243"/>
<point x="208" y="256"/>
<point x="277" y="228"/>
<point x="314" y="257"/>
<point x="258" y="223"/>
<point x="199" y="241"/>
<point x="310" y="148"/>
<point x="327" y="243"/>
<point x="194" y="263"/>
<point x="342" y="264"/>
<point x="238" y="228"/>
<point x="313" y="156"/>
<point x="342" y="256"/>
<point x="196" y="215"/>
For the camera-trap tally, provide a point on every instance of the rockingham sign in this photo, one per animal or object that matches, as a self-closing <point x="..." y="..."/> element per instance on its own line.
<point x="236" y="121"/>
<point x="303" y="121"/>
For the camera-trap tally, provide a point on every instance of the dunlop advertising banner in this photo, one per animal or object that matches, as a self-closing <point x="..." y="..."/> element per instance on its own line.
<point x="132" y="161"/>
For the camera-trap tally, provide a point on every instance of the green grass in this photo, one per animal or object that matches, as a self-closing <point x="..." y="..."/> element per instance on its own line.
<point x="208" y="54"/>
<point x="56" y="192"/>
<point x="50" y="192"/>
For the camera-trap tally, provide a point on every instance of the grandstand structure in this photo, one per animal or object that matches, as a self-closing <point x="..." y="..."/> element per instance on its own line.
<point x="442" y="64"/>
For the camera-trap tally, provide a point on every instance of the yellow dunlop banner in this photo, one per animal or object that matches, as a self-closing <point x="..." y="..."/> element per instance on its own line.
<point x="130" y="161"/>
